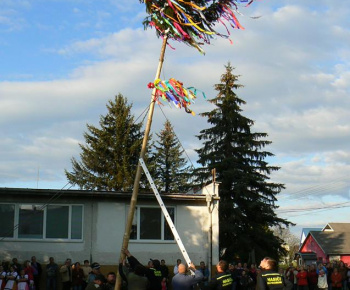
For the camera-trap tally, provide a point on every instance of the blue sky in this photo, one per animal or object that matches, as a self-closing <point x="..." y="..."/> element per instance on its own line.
<point x="33" y="34"/>
<point x="61" y="61"/>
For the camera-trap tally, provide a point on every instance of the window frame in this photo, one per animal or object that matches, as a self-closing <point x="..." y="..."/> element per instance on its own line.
<point x="16" y="225"/>
<point x="162" y="224"/>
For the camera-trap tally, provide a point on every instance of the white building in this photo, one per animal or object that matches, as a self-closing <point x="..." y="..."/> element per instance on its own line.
<point x="90" y="225"/>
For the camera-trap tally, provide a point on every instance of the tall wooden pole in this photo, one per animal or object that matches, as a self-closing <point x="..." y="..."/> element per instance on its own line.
<point x="135" y="192"/>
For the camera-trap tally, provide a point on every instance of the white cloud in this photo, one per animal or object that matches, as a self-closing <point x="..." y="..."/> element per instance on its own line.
<point x="294" y="63"/>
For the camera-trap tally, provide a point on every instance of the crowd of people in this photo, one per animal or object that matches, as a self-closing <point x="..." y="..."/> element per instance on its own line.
<point x="27" y="276"/>
<point x="155" y="276"/>
<point x="332" y="276"/>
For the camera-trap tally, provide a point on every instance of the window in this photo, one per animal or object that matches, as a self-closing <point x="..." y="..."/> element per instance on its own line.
<point x="7" y="216"/>
<point x="27" y="221"/>
<point x="31" y="221"/>
<point x="149" y="224"/>
<point x="57" y="217"/>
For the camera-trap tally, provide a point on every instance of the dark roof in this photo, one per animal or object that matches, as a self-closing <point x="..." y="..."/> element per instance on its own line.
<point x="91" y="194"/>
<point x="337" y="227"/>
<point x="333" y="243"/>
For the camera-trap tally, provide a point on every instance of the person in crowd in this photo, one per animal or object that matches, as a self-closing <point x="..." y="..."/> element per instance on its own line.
<point x="296" y="271"/>
<point x="87" y="270"/>
<point x="348" y="278"/>
<point x="66" y="274"/>
<point x="182" y="281"/>
<point x="77" y="277"/>
<point x="321" y="267"/>
<point x="28" y="270"/>
<point x="234" y="273"/>
<point x="252" y="273"/>
<point x="329" y="268"/>
<point x="322" y="280"/>
<point x="223" y="279"/>
<point x="2" y="277"/>
<point x="245" y="267"/>
<point x="22" y="281"/>
<point x="110" y="281"/>
<point x="16" y="266"/>
<point x="336" y="279"/>
<point x="95" y="270"/>
<point x="239" y="270"/>
<point x="97" y="283"/>
<point x="176" y="268"/>
<point x="268" y="278"/>
<point x="288" y="285"/>
<point x="11" y="277"/>
<point x="343" y="271"/>
<point x="51" y="274"/>
<point x="246" y="282"/>
<point x="165" y="271"/>
<point x="153" y="274"/>
<point x="289" y="274"/>
<point x="37" y="270"/>
<point x="205" y="271"/>
<point x="302" y="279"/>
<point x="312" y="278"/>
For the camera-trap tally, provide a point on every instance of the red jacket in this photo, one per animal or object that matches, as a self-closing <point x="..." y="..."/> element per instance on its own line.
<point x="302" y="278"/>
<point x="29" y="271"/>
<point x="336" y="280"/>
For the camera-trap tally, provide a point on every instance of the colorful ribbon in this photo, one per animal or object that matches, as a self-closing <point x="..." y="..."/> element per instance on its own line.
<point x="192" y="22"/>
<point x="173" y="91"/>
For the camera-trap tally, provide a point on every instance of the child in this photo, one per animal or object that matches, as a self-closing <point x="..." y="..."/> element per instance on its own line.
<point x="22" y="281"/>
<point x="11" y="278"/>
<point x="322" y="280"/>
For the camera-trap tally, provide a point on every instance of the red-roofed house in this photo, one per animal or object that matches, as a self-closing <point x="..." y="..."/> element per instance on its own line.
<point x="332" y="243"/>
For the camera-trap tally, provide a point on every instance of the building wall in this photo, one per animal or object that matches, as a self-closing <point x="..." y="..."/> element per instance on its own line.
<point x="191" y="224"/>
<point x="345" y="259"/>
<point x="23" y="249"/>
<point x="312" y="246"/>
<point x="103" y="230"/>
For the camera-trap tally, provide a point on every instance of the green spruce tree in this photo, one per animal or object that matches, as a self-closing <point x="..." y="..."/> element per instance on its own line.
<point x="247" y="198"/>
<point x="109" y="158"/>
<point x="168" y="164"/>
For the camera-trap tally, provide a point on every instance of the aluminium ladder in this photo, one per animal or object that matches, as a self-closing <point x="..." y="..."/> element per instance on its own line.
<point x="166" y="214"/>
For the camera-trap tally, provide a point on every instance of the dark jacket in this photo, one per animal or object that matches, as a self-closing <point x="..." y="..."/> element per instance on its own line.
<point x="153" y="275"/>
<point x="221" y="281"/>
<point x="269" y="280"/>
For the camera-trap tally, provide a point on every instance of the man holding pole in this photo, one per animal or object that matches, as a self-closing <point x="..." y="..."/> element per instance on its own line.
<point x="153" y="274"/>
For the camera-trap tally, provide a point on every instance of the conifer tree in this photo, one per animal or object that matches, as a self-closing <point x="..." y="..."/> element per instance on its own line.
<point x="247" y="198"/>
<point x="168" y="164"/>
<point x="109" y="158"/>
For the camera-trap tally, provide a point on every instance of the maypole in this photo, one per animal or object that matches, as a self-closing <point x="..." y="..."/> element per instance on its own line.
<point x="135" y="192"/>
<point x="191" y="22"/>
